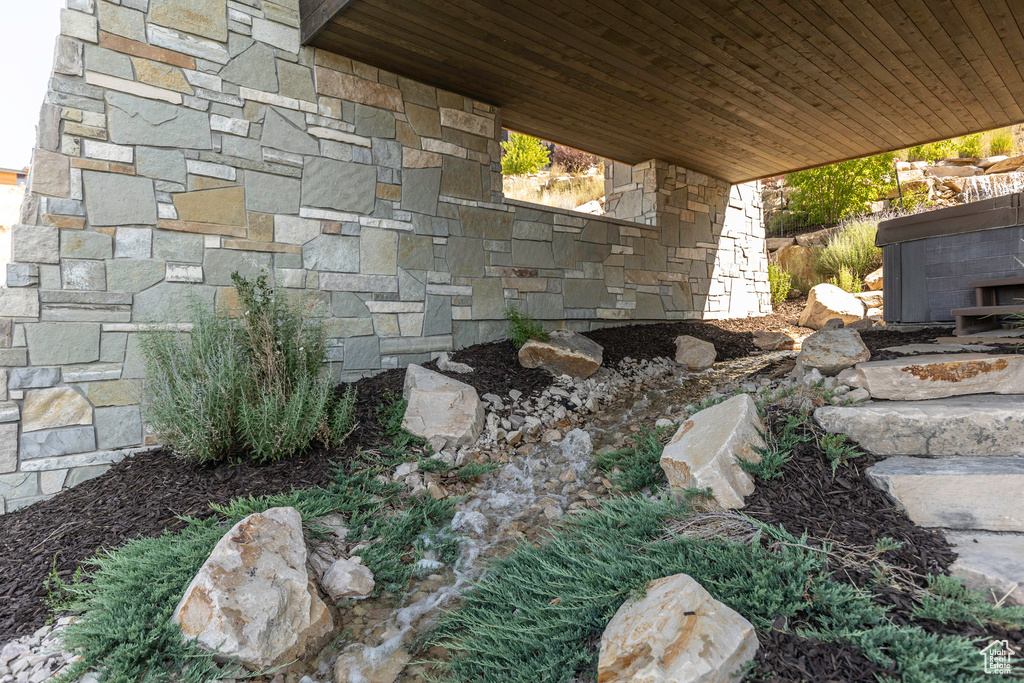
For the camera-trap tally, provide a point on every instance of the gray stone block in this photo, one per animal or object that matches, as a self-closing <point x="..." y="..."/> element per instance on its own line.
<point x="177" y="246"/>
<point x="118" y="427"/>
<point x="34" y="244"/>
<point x="170" y="301"/>
<point x="296" y="81"/>
<point x="63" y="343"/>
<point x="21" y="485"/>
<point x="114" y="199"/>
<point x="8" y="448"/>
<point x="544" y="306"/>
<point x="586" y="294"/>
<point x="461" y="178"/>
<point x="387" y="154"/>
<point x="280" y="133"/>
<point x="161" y="164"/>
<point x="253" y="68"/>
<point x="133" y="243"/>
<point x="466" y="257"/>
<point x="219" y="264"/>
<point x="85" y="244"/>
<point x="133" y="275"/>
<point x="420" y="190"/>
<point x="532" y="254"/>
<point x="338" y="185"/>
<point x="378" y="252"/>
<point x="266" y="193"/>
<point x="362" y="353"/>
<point x="57" y="442"/>
<point x="80" y="475"/>
<point x="138" y="121"/>
<point x="374" y="123"/>
<point x="488" y="299"/>
<point x="22" y="274"/>
<point x="489" y="224"/>
<point x="348" y="305"/>
<point x="33" y="378"/>
<point x="83" y="275"/>
<point x="112" y="346"/>
<point x="108" y="62"/>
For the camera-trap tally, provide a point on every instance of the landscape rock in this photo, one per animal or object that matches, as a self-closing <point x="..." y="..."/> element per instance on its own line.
<point x="871" y="299"/>
<point x="704" y="450"/>
<point x="675" y="633"/>
<point x="874" y="281"/>
<point x="831" y="351"/>
<point x="939" y="376"/>
<point x="798" y="261"/>
<point x="1005" y="165"/>
<point x="827" y="301"/>
<point x="565" y="353"/>
<point x="990" y="563"/>
<point x="253" y="599"/>
<point x="445" y="364"/>
<point x="348" y="578"/>
<point x="815" y="239"/>
<point x="695" y="354"/>
<point x="441" y="408"/>
<point x="773" y="341"/>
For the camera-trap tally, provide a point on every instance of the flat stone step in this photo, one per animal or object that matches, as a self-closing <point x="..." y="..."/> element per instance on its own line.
<point x="956" y="493"/>
<point x="991" y="563"/>
<point x="1004" y="336"/>
<point x="962" y="425"/>
<point x="920" y="378"/>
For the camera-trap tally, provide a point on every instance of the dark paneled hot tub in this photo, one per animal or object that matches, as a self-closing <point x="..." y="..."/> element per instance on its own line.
<point x="930" y="258"/>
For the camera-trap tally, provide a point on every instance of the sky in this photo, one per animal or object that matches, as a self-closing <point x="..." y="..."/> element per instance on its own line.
<point x="28" y="31"/>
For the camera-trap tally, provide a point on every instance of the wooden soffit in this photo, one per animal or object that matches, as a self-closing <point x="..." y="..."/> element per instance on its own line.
<point x="738" y="90"/>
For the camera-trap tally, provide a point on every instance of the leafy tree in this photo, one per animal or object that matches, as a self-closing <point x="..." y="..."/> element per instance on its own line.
<point x="523" y="154"/>
<point x="830" y="193"/>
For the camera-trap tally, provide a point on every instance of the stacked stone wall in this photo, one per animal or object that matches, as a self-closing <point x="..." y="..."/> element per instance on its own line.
<point x="183" y="140"/>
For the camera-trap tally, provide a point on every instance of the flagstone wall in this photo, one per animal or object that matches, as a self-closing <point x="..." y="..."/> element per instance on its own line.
<point x="183" y="140"/>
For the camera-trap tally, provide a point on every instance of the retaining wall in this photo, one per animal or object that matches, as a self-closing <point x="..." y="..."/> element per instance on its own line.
<point x="182" y="140"/>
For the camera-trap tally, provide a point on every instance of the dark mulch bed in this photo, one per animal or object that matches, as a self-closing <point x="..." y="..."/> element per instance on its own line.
<point x="496" y="370"/>
<point x="880" y="338"/>
<point x="788" y="658"/>
<point x="647" y="342"/>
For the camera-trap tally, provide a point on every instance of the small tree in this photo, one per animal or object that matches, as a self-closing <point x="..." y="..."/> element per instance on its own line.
<point x="523" y="154"/>
<point x="830" y="193"/>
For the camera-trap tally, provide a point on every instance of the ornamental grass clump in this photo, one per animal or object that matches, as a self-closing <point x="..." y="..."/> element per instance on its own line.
<point x="852" y="247"/>
<point x="254" y="385"/>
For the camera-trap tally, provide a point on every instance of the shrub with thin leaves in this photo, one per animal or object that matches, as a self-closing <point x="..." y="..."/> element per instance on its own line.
<point x="852" y="247"/>
<point x="523" y="154"/>
<point x="343" y="416"/>
<point x="1000" y="142"/>
<point x="254" y="384"/>
<point x="780" y="281"/>
<point x="522" y="328"/>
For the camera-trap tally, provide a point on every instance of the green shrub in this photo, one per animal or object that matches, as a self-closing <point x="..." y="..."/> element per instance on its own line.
<point x="343" y="416"/>
<point x="830" y="193"/>
<point x="780" y="281"/>
<point x="1001" y="142"/>
<point x="523" y="154"/>
<point x="846" y="281"/>
<point x="852" y="247"/>
<point x="255" y="383"/>
<point x="931" y="152"/>
<point x="967" y="146"/>
<point x="522" y="328"/>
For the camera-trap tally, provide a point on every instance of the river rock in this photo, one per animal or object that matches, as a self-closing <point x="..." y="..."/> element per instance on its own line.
<point x="441" y="408"/>
<point x="695" y="354"/>
<point x="253" y="600"/>
<point x="704" y="450"/>
<point x="874" y="281"/>
<point x="918" y="378"/>
<point x="826" y="302"/>
<point x="565" y="353"/>
<point x="675" y="633"/>
<point x="348" y="578"/>
<point x="831" y="351"/>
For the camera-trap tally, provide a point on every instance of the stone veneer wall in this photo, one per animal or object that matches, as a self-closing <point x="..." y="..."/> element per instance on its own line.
<point x="182" y="140"/>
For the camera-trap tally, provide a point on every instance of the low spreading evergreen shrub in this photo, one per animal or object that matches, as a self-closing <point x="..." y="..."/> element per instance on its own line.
<point x="522" y="328"/>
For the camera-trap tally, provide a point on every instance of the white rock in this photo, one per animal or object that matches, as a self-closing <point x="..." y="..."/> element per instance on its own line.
<point x="441" y="408"/>
<point x="253" y="599"/>
<point x="827" y="301"/>
<point x="576" y="445"/>
<point x="675" y="633"/>
<point x="348" y="578"/>
<point x="445" y="364"/>
<point x="695" y="354"/>
<point x="704" y="450"/>
<point x="831" y="352"/>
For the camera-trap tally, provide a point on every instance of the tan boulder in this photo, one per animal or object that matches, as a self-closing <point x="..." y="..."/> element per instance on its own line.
<point x="831" y="351"/>
<point x="773" y="341"/>
<point x="565" y="353"/>
<point x="704" y="450"/>
<point x="938" y="376"/>
<point x="826" y="302"/>
<point x="871" y="299"/>
<point x="253" y="600"/>
<point x="775" y="243"/>
<point x="695" y="354"/>
<point x="53" y="408"/>
<point x="815" y="239"/>
<point x="675" y="633"/>
<point x="441" y="408"/>
<point x="798" y="261"/>
<point x="1006" y="165"/>
<point x="874" y="281"/>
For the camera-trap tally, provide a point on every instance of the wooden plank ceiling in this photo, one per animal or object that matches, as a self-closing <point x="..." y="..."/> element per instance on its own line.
<point x="739" y="90"/>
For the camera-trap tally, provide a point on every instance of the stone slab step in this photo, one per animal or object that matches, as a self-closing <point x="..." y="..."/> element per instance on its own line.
<point x="919" y="378"/>
<point x="961" y="425"/>
<point x="991" y="563"/>
<point x="1007" y="336"/>
<point x="956" y="493"/>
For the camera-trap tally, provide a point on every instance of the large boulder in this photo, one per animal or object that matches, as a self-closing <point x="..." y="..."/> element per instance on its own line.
<point x="826" y="302"/>
<point x="695" y="354"/>
<point x="798" y="261"/>
<point x="565" y="353"/>
<point x="1006" y="165"/>
<point x="831" y="351"/>
<point x="675" y="633"/>
<point x="441" y="408"/>
<point x="938" y="376"/>
<point x="704" y="450"/>
<point x="253" y="600"/>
